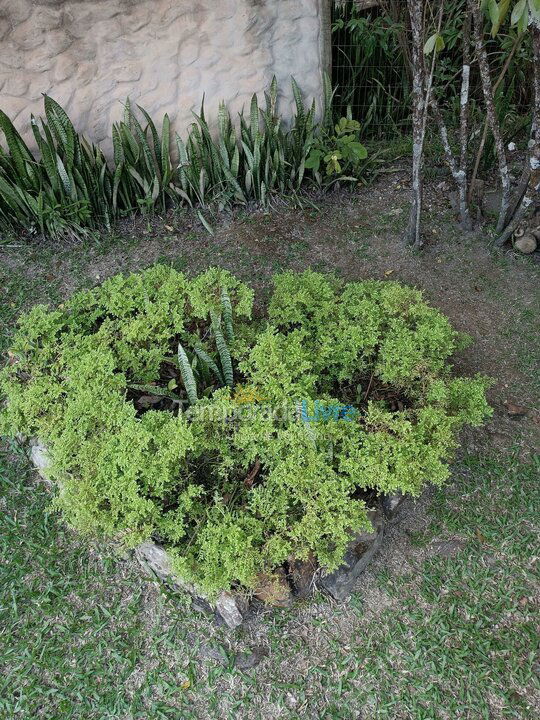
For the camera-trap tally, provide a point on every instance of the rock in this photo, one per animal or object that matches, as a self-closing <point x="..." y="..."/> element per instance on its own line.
<point x="154" y="558"/>
<point x="228" y="610"/>
<point x="246" y="661"/>
<point x="273" y="589"/>
<point x="391" y="505"/>
<point x="526" y="244"/>
<point x="360" y="553"/>
<point x="301" y="573"/>
<point x="40" y="459"/>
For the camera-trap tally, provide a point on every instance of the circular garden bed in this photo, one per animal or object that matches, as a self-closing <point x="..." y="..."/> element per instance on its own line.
<point x="242" y="457"/>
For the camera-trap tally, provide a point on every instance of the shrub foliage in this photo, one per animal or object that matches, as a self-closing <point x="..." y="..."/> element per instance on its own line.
<point x="170" y="413"/>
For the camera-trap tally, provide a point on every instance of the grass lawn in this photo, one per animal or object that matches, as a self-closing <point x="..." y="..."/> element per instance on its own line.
<point x="443" y="625"/>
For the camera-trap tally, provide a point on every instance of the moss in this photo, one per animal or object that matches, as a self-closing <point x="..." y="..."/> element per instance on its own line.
<point x="240" y="481"/>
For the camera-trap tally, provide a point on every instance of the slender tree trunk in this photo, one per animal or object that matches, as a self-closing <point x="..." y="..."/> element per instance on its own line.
<point x="533" y="185"/>
<point x="458" y="166"/>
<point x="525" y="175"/>
<point x="487" y="87"/>
<point x="480" y="152"/>
<point x="459" y="174"/>
<point x="464" y="213"/>
<point x="413" y="236"/>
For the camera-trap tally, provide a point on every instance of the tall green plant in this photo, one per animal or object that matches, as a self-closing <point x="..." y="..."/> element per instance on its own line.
<point x="67" y="187"/>
<point x="143" y="176"/>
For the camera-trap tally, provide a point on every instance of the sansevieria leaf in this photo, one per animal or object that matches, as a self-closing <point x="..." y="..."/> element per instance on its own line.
<point x="186" y="372"/>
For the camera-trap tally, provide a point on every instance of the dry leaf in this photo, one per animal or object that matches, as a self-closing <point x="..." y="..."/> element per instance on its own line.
<point x="185" y="685"/>
<point x="273" y="588"/>
<point x="514" y="410"/>
<point x="169" y="228"/>
<point x="389" y="272"/>
<point x="480" y="536"/>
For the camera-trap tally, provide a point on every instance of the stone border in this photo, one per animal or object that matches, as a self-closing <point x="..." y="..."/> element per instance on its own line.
<point x="232" y="608"/>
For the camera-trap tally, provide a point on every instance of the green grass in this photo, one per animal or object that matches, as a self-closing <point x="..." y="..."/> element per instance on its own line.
<point x="465" y="639"/>
<point x="71" y="636"/>
<point x="84" y="636"/>
<point x="81" y="639"/>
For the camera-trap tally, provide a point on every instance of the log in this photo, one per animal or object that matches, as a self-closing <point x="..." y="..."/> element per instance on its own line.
<point x="526" y="244"/>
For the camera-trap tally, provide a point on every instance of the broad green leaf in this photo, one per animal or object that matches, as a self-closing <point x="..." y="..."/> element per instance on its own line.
<point x="429" y="47"/>
<point x="518" y="12"/>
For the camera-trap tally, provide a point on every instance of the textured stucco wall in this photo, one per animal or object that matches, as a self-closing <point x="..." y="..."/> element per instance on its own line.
<point x="164" y="54"/>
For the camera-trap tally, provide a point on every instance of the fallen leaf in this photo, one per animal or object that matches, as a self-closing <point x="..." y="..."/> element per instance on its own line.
<point x="185" y="685"/>
<point x="389" y="272"/>
<point x="169" y="228"/>
<point x="514" y="410"/>
<point x="480" y="536"/>
<point x="522" y="601"/>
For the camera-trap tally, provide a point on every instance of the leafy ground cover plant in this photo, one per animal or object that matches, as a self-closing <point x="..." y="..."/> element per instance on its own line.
<point x="239" y="444"/>
<point x="341" y="152"/>
<point x="69" y="188"/>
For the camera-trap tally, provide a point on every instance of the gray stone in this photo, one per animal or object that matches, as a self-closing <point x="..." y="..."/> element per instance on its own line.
<point x="228" y="610"/>
<point x="40" y="459"/>
<point x="228" y="607"/>
<point x="154" y="557"/>
<point x="360" y="552"/>
<point x="391" y="505"/>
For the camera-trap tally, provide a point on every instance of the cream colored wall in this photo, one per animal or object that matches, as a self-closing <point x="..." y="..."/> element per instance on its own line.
<point x="164" y="54"/>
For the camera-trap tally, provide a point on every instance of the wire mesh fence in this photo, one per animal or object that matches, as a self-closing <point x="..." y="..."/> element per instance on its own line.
<point x="370" y="66"/>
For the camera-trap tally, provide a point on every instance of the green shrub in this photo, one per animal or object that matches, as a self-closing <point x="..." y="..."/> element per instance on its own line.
<point x="344" y="390"/>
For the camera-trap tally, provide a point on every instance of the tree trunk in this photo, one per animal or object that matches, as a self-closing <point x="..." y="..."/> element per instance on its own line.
<point x="458" y="173"/>
<point x="464" y="213"/>
<point x="487" y="88"/>
<point x="482" y="144"/>
<point x="458" y="166"/>
<point x="413" y="232"/>
<point x="533" y="185"/>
